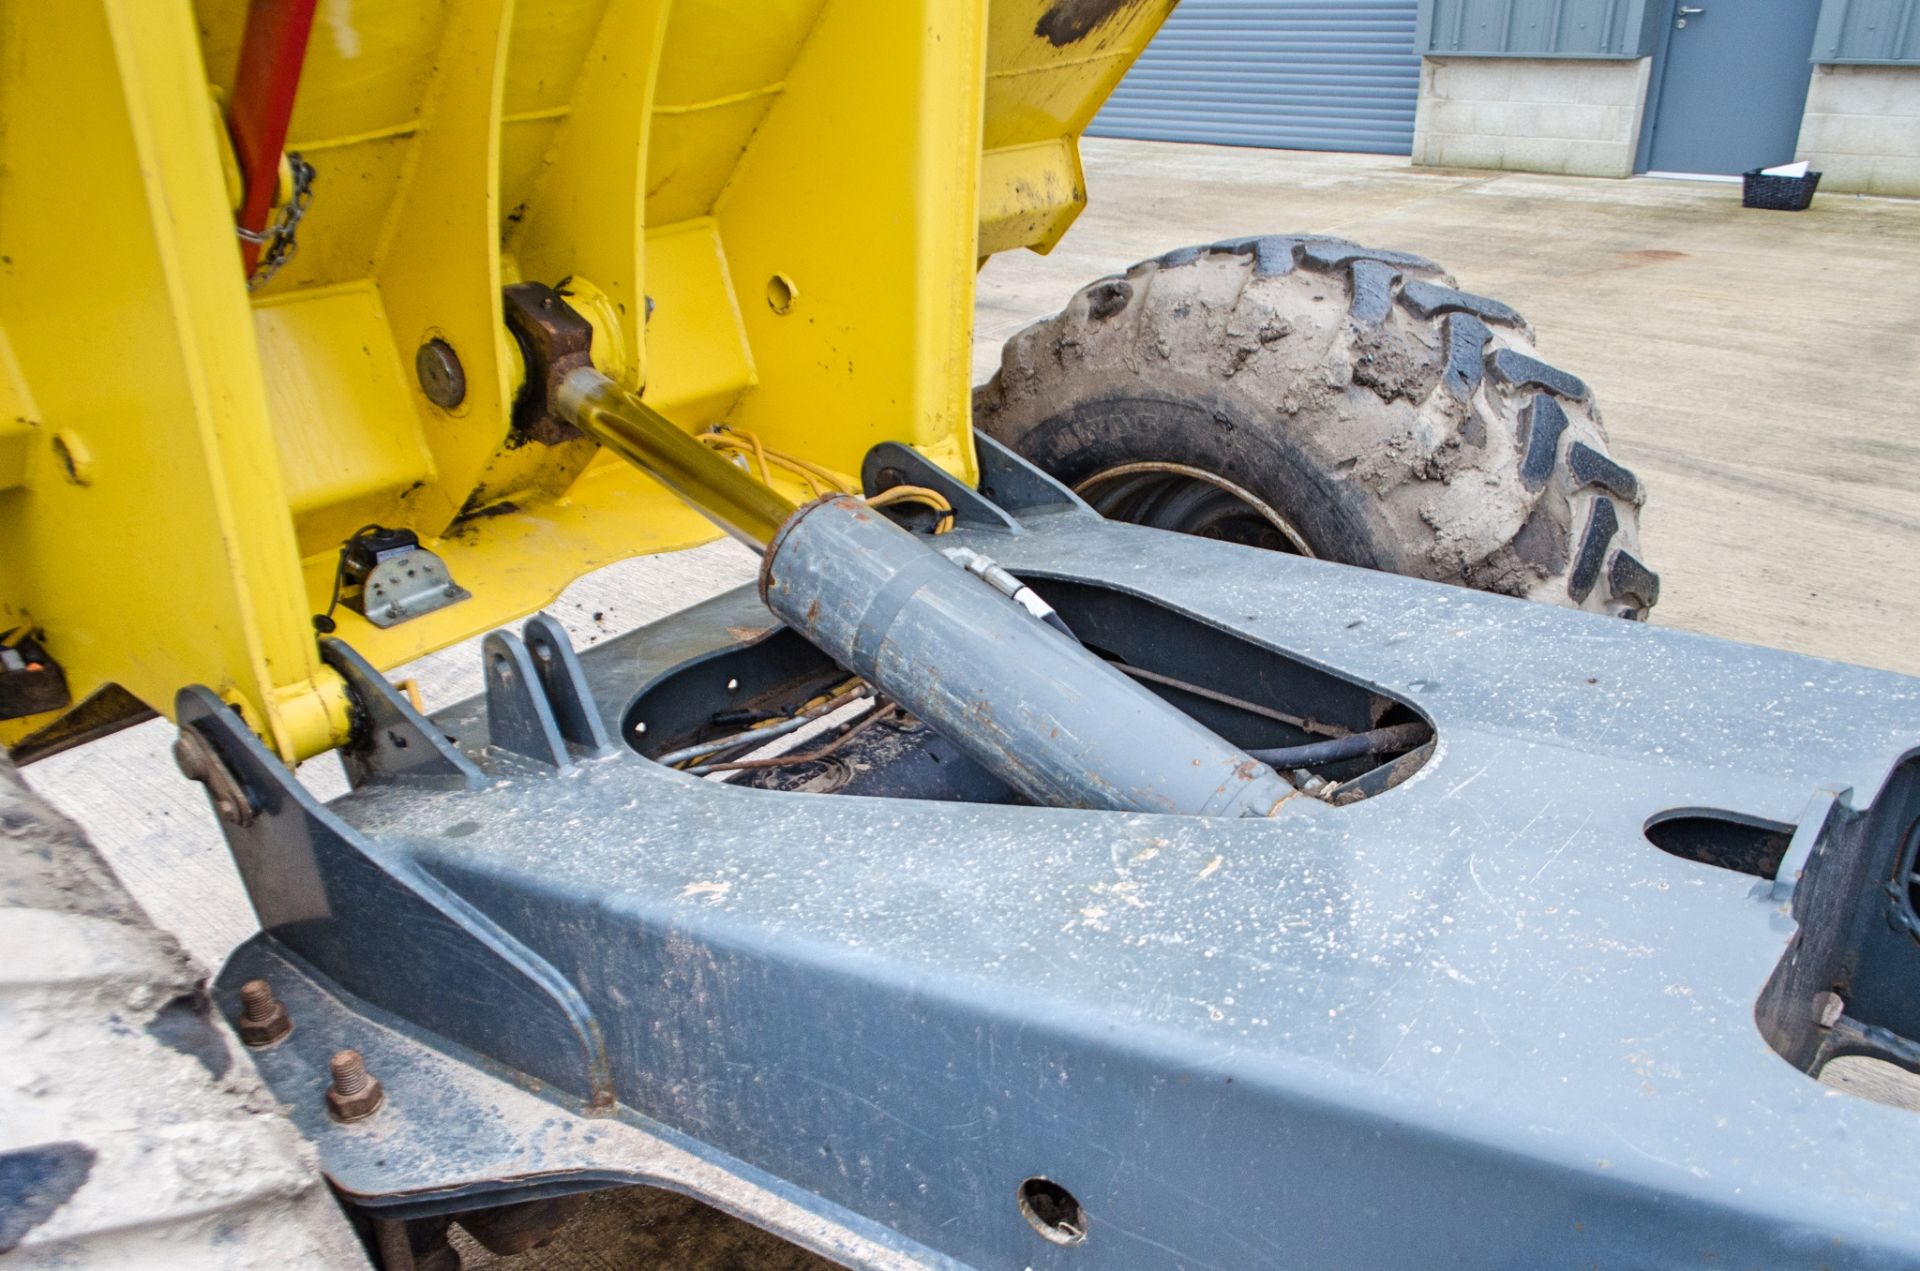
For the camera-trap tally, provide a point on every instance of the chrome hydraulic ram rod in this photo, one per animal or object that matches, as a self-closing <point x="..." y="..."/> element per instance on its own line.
<point x="745" y="508"/>
<point x="1027" y="702"/>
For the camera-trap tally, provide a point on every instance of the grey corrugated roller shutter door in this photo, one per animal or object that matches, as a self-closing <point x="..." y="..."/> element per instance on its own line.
<point x="1328" y="76"/>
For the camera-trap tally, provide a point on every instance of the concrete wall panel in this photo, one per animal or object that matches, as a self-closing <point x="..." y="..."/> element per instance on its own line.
<point x="1581" y="118"/>
<point x="1861" y="129"/>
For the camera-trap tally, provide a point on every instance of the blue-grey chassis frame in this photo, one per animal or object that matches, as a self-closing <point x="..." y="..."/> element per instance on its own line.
<point x="1476" y="1021"/>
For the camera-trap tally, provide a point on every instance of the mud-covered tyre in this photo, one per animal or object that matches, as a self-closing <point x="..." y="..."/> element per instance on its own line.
<point x="1310" y="395"/>
<point x="130" y="1119"/>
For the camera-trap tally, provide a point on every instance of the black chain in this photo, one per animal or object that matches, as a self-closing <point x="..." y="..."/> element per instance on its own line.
<point x="277" y="238"/>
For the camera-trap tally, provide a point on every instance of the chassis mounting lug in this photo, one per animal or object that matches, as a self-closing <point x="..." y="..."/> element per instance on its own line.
<point x="198" y="761"/>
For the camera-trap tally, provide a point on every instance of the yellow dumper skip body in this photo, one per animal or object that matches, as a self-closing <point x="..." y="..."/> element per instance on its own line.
<point x="774" y="210"/>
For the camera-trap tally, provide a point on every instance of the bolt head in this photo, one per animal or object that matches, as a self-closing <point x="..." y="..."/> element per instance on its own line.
<point x="441" y="376"/>
<point x="356" y="1107"/>
<point x="265" y="1032"/>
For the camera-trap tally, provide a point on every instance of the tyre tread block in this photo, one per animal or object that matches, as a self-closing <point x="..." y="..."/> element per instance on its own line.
<point x="1273" y="254"/>
<point x="1427" y="299"/>
<point x="1546" y="421"/>
<point x="1332" y="253"/>
<point x="1631" y="578"/>
<point x="1466" y="337"/>
<point x="1588" y="466"/>
<point x="1372" y="292"/>
<point x="1602" y="525"/>
<point x="1522" y="371"/>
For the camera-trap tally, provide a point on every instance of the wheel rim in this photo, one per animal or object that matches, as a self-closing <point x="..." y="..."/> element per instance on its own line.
<point x="1173" y="496"/>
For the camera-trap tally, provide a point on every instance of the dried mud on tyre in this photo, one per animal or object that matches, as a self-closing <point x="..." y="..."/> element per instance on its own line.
<point x="1388" y="418"/>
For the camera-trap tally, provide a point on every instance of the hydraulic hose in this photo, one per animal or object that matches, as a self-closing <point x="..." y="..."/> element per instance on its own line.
<point x="1381" y="741"/>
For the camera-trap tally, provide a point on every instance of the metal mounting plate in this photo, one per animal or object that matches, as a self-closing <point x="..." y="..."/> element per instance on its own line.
<point x="406" y="586"/>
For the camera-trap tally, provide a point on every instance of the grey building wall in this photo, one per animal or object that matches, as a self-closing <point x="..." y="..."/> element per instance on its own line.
<point x="1562" y="85"/>
<point x="1577" y="117"/>
<point x="1862" y="123"/>
<point x="1862" y="129"/>
<point x="1534" y="85"/>
<point x="1538" y="28"/>
<point x="1885" y="31"/>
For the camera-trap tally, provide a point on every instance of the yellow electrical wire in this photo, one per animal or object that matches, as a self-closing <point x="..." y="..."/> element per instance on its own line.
<point x="843" y="688"/>
<point x="922" y="495"/>
<point x="741" y="442"/>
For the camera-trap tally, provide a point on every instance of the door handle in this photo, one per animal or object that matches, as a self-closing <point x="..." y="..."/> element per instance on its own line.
<point x="1686" y="11"/>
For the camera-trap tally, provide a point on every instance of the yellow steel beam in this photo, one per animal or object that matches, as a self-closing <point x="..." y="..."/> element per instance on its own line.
<point x="438" y="263"/>
<point x="588" y="218"/>
<point x="153" y="544"/>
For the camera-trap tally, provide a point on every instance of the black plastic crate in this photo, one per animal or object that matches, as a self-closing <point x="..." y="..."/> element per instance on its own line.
<point x="1778" y="194"/>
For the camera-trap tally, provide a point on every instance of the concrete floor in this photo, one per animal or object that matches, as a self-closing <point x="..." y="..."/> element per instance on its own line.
<point x="1758" y="370"/>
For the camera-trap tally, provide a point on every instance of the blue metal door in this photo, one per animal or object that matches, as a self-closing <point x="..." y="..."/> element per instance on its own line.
<point x="1733" y="85"/>
<point x="1284" y="73"/>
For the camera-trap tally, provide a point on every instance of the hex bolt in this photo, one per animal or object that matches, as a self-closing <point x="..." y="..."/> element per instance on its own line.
<point x="441" y="376"/>
<point x="263" y="1020"/>
<point x="355" y="1093"/>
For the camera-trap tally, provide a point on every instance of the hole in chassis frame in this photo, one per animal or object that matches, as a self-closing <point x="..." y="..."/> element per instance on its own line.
<point x="1254" y="696"/>
<point x="1051" y="1210"/>
<point x="1725" y="839"/>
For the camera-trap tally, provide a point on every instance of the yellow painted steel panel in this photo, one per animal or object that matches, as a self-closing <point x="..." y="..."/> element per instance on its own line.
<point x="335" y="384"/>
<point x="858" y="188"/>
<point x="702" y="361"/>
<point x="570" y="226"/>
<point x="775" y="206"/>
